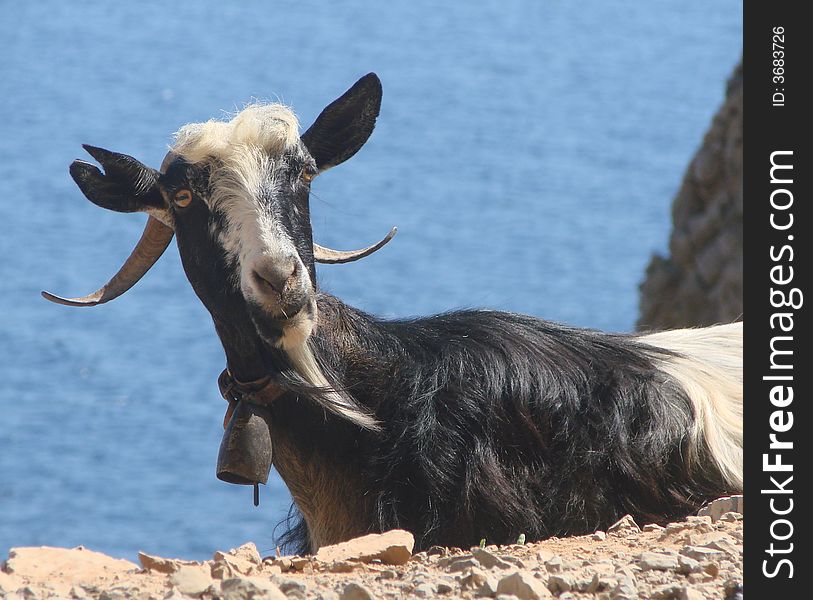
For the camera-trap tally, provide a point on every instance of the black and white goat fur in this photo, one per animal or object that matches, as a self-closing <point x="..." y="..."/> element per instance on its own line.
<point x="462" y="426"/>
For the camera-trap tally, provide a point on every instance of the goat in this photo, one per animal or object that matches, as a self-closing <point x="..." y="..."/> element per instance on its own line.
<point x="466" y="425"/>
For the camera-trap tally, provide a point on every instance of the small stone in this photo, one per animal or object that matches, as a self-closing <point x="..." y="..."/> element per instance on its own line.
<point x="524" y="586"/>
<point x="489" y="588"/>
<point x="717" y="508"/>
<point x="424" y="590"/>
<point x="560" y="583"/>
<point x="51" y="564"/>
<point x="655" y="561"/>
<point x="437" y="551"/>
<point x="299" y="563"/>
<point x="327" y="595"/>
<point x="554" y="564"/>
<point x="388" y="574"/>
<point x="227" y="566"/>
<point x="342" y="567"/>
<point x="712" y="568"/>
<point x="737" y="535"/>
<point x="473" y="580"/>
<point x="724" y="545"/>
<point x="191" y="581"/>
<point x="670" y="591"/>
<point x="356" y="591"/>
<point x="455" y="556"/>
<point x="589" y="585"/>
<point x="250" y="588"/>
<point x="625" y="589"/>
<point x="271" y="561"/>
<point x="489" y="560"/>
<point x="705" y="539"/>
<point x="514" y="561"/>
<point x="730" y="517"/>
<point x="162" y="565"/>
<point x="687" y="565"/>
<point x="650" y="527"/>
<point x="673" y="528"/>
<point x="599" y="536"/>
<point x="700" y="553"/>
<point x="699" y="520"/>
<point x="688" y="593"/>
<point x="247" y="551"/>
<point x="291" y="587"/>
<point x="118" y="594"/>
<point x="607" y="583"/>
<point x="463" y="564"/>
<point x="221" y="570"/>
<point x="243" y="560"/>
<point x="445" y="588"/>
<point x="624" y="526"/>
<point x="393" y="548"/>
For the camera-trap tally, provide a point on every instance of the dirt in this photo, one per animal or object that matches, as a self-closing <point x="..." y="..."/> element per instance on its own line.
<point x="695" y="559"/>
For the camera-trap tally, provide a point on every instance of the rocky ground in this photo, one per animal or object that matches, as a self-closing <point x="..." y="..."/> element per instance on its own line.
<point x="695" y="559"/>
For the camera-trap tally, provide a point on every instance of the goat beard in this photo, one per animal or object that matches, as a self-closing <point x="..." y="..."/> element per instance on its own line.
<point x="319" y="378"/>
<point x="304" y="373"/>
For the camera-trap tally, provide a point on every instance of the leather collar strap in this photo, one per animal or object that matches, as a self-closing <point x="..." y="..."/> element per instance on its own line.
<point x="259" y="391"/>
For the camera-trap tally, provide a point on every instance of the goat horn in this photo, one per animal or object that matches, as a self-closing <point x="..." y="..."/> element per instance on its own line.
<point x="332" y="257"/>
<point x="150" y="247"/>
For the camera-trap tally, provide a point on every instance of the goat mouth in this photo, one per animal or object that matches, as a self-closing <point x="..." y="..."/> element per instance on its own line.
<point x="282" y="306"/>
<point x="284" y="328"/>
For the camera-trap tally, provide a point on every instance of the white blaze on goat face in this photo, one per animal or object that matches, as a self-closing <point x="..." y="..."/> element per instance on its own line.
<point x="255" y="160"/>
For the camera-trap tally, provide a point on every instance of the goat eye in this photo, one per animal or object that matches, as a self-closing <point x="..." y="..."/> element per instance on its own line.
<point x="307" y="176"/>
<point x="183" y="198"/>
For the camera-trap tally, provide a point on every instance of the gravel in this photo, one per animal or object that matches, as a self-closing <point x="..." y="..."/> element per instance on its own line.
<point x="698" y="558"/>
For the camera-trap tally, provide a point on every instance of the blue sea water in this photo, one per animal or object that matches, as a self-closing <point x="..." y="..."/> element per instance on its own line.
<point x="528" y="152"/>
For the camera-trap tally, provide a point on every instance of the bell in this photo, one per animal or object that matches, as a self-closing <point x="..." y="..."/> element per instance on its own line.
<point x="245" y="452"/>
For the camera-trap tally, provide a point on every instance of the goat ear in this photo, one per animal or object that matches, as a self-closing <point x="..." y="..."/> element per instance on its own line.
<point x="345" y="124"/>
<point x="125" y="186"/>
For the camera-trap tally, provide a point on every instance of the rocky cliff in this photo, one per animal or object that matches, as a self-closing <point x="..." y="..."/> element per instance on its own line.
<point x="700" y="283"/>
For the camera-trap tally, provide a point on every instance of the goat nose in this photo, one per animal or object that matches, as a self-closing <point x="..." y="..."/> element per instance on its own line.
<point x="275" y="274"/>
